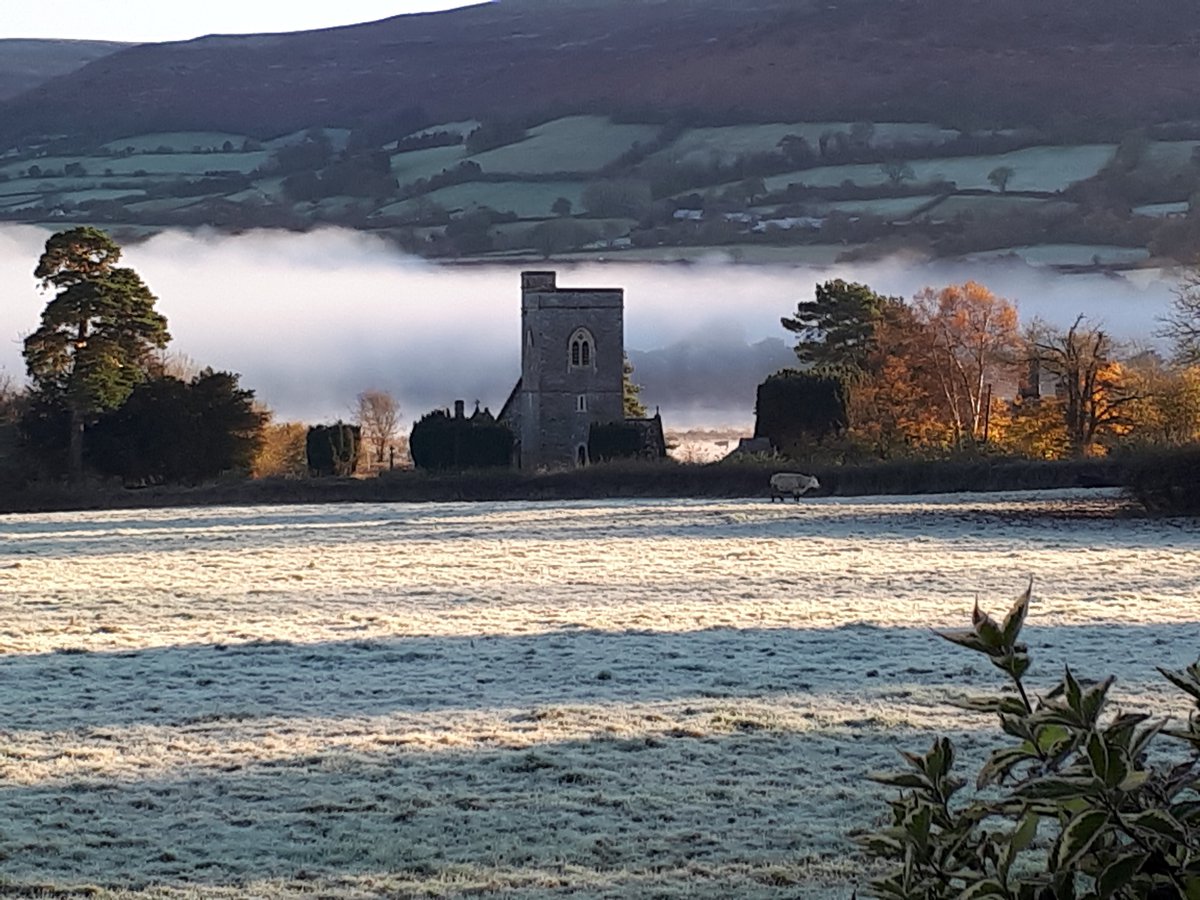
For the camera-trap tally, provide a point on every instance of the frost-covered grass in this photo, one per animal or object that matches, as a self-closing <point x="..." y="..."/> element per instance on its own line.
<point x="604" y="699"/>
<point x="527" y="200"/>
<point x="408" y="167"/>
<point x="1069" y="254"/>
<point x="1045" y="169"/>
<point x="179" y="141"/>
<point x="994" y="205"/>
<point x="572" y="144"/>
<point x="726" y="143"/>
<point x="181" y="164"/>
<point x="886" y="208"/>
<point x="1162" y="210"/>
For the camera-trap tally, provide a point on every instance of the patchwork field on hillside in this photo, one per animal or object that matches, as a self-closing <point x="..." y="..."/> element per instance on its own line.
<point x="600" y="699"/>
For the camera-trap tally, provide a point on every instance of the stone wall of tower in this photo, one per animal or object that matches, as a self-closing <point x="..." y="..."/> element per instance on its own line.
<point x="553" y="427"/>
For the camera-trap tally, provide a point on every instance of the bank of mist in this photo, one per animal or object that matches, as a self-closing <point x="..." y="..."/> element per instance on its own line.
<point x="311" y="320"/>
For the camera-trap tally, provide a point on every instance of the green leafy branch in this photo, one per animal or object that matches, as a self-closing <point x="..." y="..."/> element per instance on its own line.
<point x="1069" y="808"/>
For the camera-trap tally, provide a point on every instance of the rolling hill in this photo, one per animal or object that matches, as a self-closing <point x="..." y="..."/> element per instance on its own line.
<point x="964" y="63"/>
<point x="769" y="130"/>
<point x="25" y="64"/>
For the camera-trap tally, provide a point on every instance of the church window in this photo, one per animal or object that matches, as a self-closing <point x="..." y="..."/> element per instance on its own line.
<point x="581" y="349"/>
<point x="581" y="403"/>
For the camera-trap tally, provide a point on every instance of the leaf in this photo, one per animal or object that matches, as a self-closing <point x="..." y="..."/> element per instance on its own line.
<point x="1074" y="694"/>
<point x="1119" y="766"/>
<point x="1078" y="837"/>
<point x="989" y="632"/>
<point x="986" y="888"/>
<point x="1098" y="756"/>
<point x="1019" y="841"/>
<point x="1063" y="788"/>
<point x="1000" y="764"/>
<point x="1160" y="823"/>
<point x="964" y="638"/>
<point x="1186" y="681"/>
<point x="912" y="780"/>
<point x="1118" y="873"/>
<point x="1011" y="627"/>
<point x="1093" y="700"/>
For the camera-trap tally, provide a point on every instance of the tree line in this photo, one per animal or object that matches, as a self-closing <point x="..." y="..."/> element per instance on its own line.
<point x="953" y="369"/>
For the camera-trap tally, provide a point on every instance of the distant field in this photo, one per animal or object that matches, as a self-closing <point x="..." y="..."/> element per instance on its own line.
<point x="464" y="128"/>
<point x="1042" y="169"/>
<point x="807" y="254"/>
<point x="408" y="167"/>
<point x="573" y="144"/>
<point x="1158" y="210"/>
<point x="181" y="164"/>
<point x="1167" y="158"/>
<point x="995" y="205"/>
<point x="726" y="144"/>
<point x="886" y="208"/>
<point x="179" y="141"/>
<point x="1068" y="254"/>
<point x="528" y="201"/>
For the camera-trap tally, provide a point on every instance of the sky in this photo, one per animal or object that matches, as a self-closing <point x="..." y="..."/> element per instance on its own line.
<point x="154" y="20"/>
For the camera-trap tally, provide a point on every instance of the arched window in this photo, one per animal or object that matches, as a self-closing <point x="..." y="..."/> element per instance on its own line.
<point x="581" y="349"/>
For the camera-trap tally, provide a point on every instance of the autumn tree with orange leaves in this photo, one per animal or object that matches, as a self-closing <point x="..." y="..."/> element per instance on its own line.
<point x="972" y="344"/>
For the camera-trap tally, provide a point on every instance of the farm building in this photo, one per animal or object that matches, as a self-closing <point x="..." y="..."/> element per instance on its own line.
<point x="572" y="375"/>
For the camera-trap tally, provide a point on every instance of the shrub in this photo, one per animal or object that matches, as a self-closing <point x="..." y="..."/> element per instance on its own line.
<point x="793" y="406"/>
<point x="614" y="440"/>
<point x="1071" y="809"/>
<point x="333" y="449"/>
<point x="1166" y="483"/>
<point x="439" y="441"/>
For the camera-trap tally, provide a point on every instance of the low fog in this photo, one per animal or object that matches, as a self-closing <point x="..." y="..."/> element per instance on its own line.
<point x="311" y="320"/>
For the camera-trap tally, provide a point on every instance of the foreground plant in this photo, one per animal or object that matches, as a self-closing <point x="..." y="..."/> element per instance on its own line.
<point x="1072" y="808"/>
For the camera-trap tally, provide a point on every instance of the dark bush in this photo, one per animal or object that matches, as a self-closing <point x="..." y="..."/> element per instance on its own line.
<point x="171" y="431"/>
<point x="332" y="450"/>
<point x="794" y="406"/>
<point x="1167" y="483"/>
<point x="440" y="441"/>
<point x="615" y="440"/>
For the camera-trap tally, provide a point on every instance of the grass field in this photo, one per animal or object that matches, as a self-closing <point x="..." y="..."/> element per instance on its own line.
<point x="675" y="699"/>
<point x="573" y="144"/>
<point x="1069" y="254"/>
<point x="1043" y="169"/>
<point x="527" y="200"/>
<point x="181" y="164"/>
<point x="408" y="167"/>
<point x="995" y="205"/>
<point x="178" y="141"/>
<point x="725" y="144"/>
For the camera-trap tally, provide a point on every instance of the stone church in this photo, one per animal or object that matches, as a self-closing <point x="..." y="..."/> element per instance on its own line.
<point x="572" y="366"/>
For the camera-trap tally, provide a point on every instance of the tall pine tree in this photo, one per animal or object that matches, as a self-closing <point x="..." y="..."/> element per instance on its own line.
<point x="98" y="333"/>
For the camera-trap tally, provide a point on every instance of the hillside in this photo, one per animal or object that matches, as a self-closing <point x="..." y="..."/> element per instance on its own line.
<point x="965" y="63"/>
<point x="774" y="130"/>
<point x="25" y="64"/>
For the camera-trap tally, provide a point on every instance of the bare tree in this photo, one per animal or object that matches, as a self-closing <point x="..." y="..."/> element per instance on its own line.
<point x="1182" y="326"/>
<point x="1093" y="385"/>
<point x="378" y="414"/>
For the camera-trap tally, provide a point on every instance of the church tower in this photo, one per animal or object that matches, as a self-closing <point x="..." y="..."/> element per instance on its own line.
<point x="572" y="366"/>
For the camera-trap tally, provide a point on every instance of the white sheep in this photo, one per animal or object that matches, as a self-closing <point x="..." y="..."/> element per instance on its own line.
<point x="784" y="483"/>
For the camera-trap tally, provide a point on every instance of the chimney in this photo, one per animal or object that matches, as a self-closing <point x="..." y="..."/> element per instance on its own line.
<point x="458" y="409"/>
<point x="535" y="282"/>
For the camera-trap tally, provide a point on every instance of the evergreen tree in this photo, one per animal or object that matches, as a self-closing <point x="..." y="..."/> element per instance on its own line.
<point x="98" y="332"/>
<point x="836" y="330"/>
<point x="634" y="407"/>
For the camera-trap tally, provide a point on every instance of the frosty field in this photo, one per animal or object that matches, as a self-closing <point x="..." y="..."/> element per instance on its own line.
<point x="595" y="699"/>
